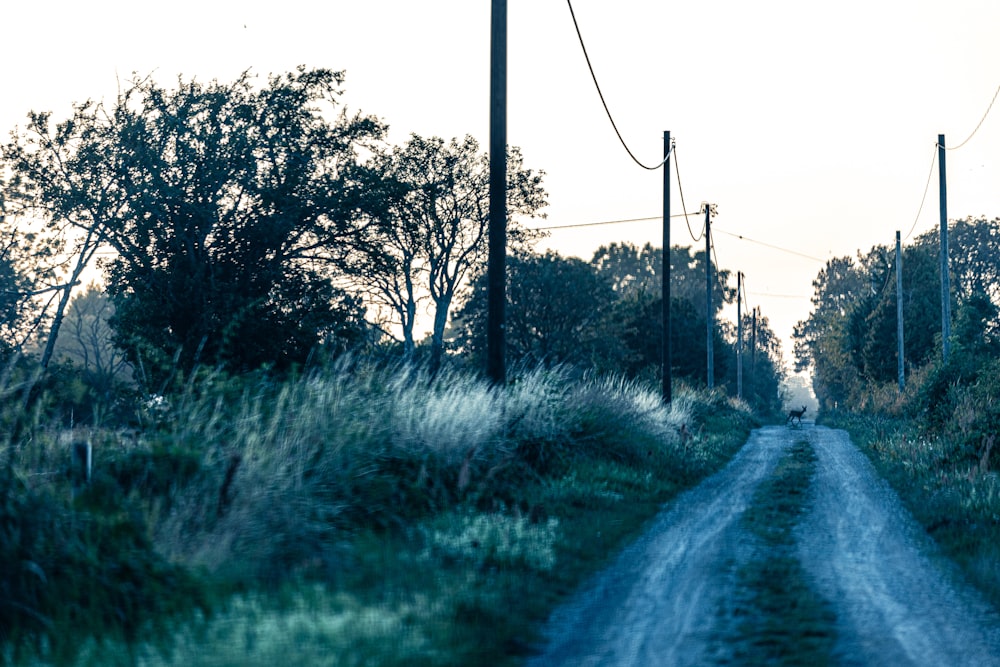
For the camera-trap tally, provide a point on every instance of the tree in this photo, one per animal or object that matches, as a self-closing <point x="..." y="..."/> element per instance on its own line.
<point x="87" y="340"/>
<point x="433" y="232"/>
<point x="228" y="207"/>
<point x="974" y="248"/>
<point x="822" y="341"/>
<point x="15" y="288"/>
<point x="632" y="270"/>
<point x="555" y="312"/>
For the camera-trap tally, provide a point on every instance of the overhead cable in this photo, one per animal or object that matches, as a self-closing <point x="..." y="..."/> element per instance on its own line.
<point x="601" y="95"/>
<point x="680" y="189"/>
<point x="927" y="186"/>
<point x="773" y="247"/>
<point x="603" y="222"/>
<point x="979" y="125"/>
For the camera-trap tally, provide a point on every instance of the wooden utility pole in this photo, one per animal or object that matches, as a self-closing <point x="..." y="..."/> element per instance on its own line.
<point x="665" y="351"/>
<point x="899" y="314"/>
<point x="753" y="345"/>
<point x="945" y="282"/>
<point x="496" y="272"/>
<point x="709" y="314"/>
<point x="739" y="334"/>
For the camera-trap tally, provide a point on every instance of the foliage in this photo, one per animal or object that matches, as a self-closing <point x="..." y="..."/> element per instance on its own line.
<point x="849" y="340"/>
<point x="223" y="202"/>
<point x="77" y="569"/>
<point x="935" y="441"/>
<point x="631" y="270"/>
<point x="387" y="485"/>
<point x="554" y="313"/>
<point x="608" y="322"/>
<point x="26" y="276"/>
<point x="432" y="230"/>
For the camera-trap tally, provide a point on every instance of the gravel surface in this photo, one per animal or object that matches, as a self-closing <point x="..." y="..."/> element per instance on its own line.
<point x="663" y="600"/>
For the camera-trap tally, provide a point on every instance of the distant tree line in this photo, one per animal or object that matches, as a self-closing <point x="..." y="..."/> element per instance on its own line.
<point x="258" y="225"/>
<point x="849" y="341"/>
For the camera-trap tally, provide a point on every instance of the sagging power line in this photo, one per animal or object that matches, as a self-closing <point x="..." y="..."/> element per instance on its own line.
<point x="600" y="94"/>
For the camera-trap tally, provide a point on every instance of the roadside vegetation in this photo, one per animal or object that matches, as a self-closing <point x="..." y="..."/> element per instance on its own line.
<point x="380" y="515"/>
<point x="936" y="441"/>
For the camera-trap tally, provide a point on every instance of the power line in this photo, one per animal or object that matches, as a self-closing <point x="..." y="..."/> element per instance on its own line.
<point x="773" y="247"/>
<point x="927" y="186"/>
<point x="601" y="95"/>
<point x="781" y="296"/>
<point x="604" y="222"/>
<point x="680" y="189"/>
<point x="979" y="125"/>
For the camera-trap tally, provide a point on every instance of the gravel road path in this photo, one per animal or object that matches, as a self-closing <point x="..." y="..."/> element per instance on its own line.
<point x="662" y="601"/>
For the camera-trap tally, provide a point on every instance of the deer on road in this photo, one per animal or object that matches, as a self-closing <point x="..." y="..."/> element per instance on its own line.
<point x="796" y="414"/>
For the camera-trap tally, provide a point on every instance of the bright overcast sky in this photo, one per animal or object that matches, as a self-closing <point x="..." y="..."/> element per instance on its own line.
<point x="811" y="125"/>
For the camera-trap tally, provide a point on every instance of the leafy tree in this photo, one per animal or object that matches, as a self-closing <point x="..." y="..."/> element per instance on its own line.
<point x="823" y="340"/>
<point x="631" y="269"/>
<point x="878" y="347"/>
<point x="635" y="274"/>
<point x="432" y="233"/>
<point x="28" y="275"/>
<point x="850" y="338"/>
<point x="974" y="256"/>
<point x="228" y="207"/>
<point x="555" y="312"/>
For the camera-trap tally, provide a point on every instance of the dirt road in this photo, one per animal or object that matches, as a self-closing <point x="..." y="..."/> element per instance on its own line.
<point x="664" y="601"/>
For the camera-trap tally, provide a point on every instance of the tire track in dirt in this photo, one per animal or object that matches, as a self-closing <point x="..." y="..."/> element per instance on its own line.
<point x="897" y="601"/>
<point x="663" y="600"/>
<point x="657" y="604"/>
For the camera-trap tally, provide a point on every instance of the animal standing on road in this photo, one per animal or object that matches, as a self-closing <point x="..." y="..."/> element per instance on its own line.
<point x="796" y="414"/>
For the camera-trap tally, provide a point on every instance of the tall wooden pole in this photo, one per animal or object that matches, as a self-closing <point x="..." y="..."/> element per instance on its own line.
<point x="709" y="314"/>
<point x="899" y="315"/>
<point x="945" y="281"/>
<point x="496" y="277"/>
<point x="666" y="352"/>
<point x="739" y="334"/>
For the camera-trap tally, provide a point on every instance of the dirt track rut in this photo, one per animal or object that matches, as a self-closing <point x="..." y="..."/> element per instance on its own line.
<point x="661" y="602"/>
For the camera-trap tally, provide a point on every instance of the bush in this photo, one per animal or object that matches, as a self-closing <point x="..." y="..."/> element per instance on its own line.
<point x="67" y="573"/>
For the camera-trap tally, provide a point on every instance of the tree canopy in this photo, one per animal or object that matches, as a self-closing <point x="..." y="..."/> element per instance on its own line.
<point x="431" y="235"/>
<point x="849" y="340"/>
<point x="227" y="205"/>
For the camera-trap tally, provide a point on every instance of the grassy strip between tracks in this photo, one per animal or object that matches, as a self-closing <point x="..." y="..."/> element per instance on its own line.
<point x="778" y="619"/>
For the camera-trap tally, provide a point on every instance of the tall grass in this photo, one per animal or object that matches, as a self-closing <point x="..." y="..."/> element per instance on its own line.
<point x="427" y="503"/>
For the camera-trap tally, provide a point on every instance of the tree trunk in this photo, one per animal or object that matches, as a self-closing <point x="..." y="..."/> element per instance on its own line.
<point x="441" y="307"/>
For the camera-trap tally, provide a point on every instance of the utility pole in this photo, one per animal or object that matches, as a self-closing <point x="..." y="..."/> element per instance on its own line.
<point x="945" y="286"/>
<point x="753" y="345"/>
<point x="739" y="334"/>
<point x="665" y="352"/>
<point x="709" y="314"/>
<point x="899" y="314"/>
<point x="496" y="271"/>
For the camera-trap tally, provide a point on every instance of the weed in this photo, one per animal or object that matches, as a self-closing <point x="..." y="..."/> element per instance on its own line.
<point x="779" y="618"/>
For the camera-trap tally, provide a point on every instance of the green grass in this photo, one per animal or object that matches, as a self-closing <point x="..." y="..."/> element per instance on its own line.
<point x="777" y="617"/>
<point x="371" y="516"/>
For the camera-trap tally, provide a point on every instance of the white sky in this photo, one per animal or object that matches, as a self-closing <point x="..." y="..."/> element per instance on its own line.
<point x="811" y="125"/>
